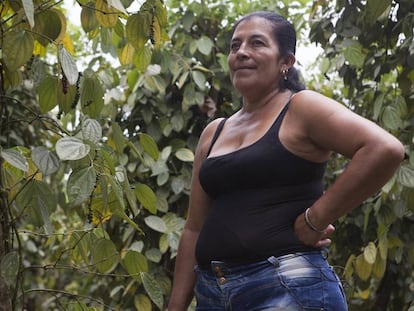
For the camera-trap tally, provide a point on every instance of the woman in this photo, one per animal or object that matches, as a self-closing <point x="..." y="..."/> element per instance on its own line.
<point x="259" y="218"/>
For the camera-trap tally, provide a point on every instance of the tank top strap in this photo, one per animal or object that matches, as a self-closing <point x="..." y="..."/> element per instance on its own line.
<point x="216" y="135"/>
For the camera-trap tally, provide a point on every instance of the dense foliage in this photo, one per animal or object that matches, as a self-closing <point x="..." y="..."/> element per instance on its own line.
<point x="99" y="126"/>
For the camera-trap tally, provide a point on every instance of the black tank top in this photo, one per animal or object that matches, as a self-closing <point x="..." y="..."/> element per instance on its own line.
<point x="257" y="192"/>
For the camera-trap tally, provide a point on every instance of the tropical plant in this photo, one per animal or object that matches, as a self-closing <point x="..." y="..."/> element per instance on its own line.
<point x="99" y="126"/>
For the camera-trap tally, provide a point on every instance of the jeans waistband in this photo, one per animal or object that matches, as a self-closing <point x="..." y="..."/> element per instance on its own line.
<point x="274" y="260"/>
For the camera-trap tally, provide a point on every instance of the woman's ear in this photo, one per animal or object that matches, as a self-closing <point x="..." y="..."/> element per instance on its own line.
<point x="290" y="61"/>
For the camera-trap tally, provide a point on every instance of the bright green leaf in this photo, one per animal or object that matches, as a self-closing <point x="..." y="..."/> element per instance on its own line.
<point x="147" y="197"/>
<point x="363" y="268"/>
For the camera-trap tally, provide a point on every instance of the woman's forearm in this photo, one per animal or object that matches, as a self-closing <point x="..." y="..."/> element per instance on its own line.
<point x="184" y="275"/>
<point x="369" y="169"/>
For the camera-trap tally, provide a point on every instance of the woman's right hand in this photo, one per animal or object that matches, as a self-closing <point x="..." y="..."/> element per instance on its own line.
<point x="311" y="237"/>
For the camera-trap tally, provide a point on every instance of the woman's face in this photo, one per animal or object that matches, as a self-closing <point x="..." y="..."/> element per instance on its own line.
<point x="254" y="60"/>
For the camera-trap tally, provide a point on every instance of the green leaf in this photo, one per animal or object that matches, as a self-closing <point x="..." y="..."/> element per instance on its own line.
<point x="68" y="65"/>
<point x="81" y="184"/>
<point x="142" y="58"/>
<point x="47" y="162"/>
<point x="363" y="268"/>
<point x="104" y="255"/>
<point x="91" y="96"/>
<point x="149" y="145"/>
<point x="142" y="303"/>
<point x="138" y="29"/>
<point x="9" y="267"/>
<point x="353" y="53"/>
<point x="135" y="263"/>
<point x="15" y="158"/>
<point x="147" y="197"/>
<point x="48" y="94"/>
<point x="117" y="4"/>
<point x="204" y="45"/>
<point x="21" y="41"/>
<point x="71" y="148"/>
<point x="405" y="176"/>
<point x="88" y="17"/>
<point x="378" y="269"/>
<point x="49" y="25"/>
<point x="106" y="15"/>
<point x="81" y="244"/>
<point x="29" y="11"/>
<point x="37" y="199"/>
<point x="370" y="253"/>
<point x="375" y="8"/>
<point x="156" y="223"/>
<point x="153" y="289"/>
<point x="199" y="79"/>
<point x="391" y="118"/>
<point x="91" y="130"/>
<point x="185" y="154"/>
<point x="153" y="255"/>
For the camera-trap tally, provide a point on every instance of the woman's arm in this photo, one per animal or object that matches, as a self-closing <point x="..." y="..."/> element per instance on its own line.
<point x="375" y="155"/>
<point x="184" y="275"/>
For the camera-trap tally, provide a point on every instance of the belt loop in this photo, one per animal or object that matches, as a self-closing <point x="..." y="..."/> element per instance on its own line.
<point x="273" y="261"/>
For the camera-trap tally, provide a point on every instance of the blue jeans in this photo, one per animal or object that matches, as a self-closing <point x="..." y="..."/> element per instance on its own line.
<point x="302" y="281"/>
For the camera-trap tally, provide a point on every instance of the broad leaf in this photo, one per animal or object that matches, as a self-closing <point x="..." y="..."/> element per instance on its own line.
<point x="370" y="253"/>
<point x="149" y="145"/>
<point x="91" y="130"/>
<point x="47" y="161"/>
<point x="153" y="289"/>
<point x="104" y="255"/>
<point x="48" y="94"/>
<point x="135" y="263"/>
<point x="88" y="18"/>
<point x="9" y="267"/>
<point x="71" y="148"/>
<point x="21" y="41"/>
<point x="91" y="96"/>
<point x="29" y="11"/>
<point x="15" y="158"/>
<point x="106" y="15"/>
<point x="156" y="223"/>
<point x="68" y="64"/>
<point x="80" y="185"/>
<point x="146" y="197"/>
<point x="185" y="155"/>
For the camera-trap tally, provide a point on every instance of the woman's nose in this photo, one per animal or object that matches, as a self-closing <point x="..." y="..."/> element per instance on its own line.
<point x="243" y="51"/>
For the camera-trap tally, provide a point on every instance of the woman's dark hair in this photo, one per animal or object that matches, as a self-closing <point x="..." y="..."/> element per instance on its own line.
<point x="285" y="36"/>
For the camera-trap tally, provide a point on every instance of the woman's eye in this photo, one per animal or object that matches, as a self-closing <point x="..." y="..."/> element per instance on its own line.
<point x="257" y="43"/>
<point x="234" y="46"/>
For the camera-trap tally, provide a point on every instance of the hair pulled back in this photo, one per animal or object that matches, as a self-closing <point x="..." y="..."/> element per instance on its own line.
<point x="285" y="36"/>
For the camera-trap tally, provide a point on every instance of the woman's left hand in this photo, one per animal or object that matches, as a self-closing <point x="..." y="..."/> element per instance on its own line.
<point x="310" y="237"/>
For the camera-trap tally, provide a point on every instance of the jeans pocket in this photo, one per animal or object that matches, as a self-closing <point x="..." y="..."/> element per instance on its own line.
<point x="306" y="285"/>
